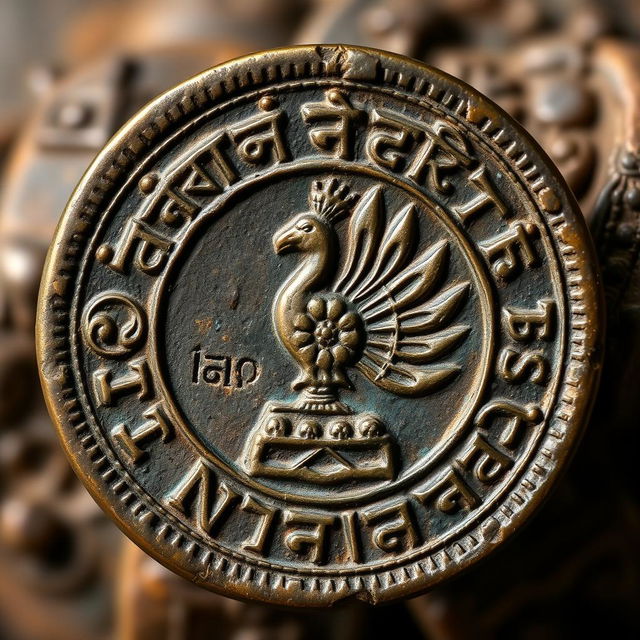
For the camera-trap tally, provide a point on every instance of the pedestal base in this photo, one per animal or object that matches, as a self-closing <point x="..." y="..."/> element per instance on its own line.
<point x="319" y="446"/>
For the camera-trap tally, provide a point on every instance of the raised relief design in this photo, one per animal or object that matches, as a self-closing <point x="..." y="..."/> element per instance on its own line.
<point x="114" y="325"/>
<point x="389" y="313"/>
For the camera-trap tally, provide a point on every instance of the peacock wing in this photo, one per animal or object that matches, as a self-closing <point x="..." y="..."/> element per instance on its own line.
<point x="393" y="254"/>
<point x="404" y="300"/>
<point x="437" y="312"/>
<point x="408" y="381"/>
<point x="412" y="284"/>
<point x="367" y="222"/>
<point x="423" y="349"/>
<point x="409" y="309"/>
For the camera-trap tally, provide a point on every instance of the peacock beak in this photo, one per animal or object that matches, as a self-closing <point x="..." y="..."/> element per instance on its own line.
<point x="284" y="242"/>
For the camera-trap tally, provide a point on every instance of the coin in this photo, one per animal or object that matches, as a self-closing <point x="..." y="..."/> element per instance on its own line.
<point x="320" y="323"/>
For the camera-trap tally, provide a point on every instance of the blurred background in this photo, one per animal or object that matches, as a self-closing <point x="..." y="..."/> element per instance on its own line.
<point x="72" y="71"/>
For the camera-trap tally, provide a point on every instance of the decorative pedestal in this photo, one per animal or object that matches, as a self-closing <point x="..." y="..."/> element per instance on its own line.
<point x="319" y="445"/>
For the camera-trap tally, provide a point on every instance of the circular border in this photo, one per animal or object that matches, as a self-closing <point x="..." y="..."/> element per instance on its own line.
<point x="371" y="568"/>
<point x="394" y="562"/>
<point x="103" y="475"/>
<point x="488" y="330"/>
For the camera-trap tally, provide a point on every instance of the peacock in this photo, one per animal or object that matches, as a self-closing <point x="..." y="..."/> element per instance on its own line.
<point x="389" y="312"/>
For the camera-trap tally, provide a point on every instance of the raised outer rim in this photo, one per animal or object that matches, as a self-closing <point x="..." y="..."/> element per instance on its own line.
<point x="348" y="62"/>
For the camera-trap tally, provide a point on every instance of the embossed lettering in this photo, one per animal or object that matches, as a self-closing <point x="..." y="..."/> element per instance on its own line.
<point x="308" y="541"/>
<point x="490" y="464"/>
<point x="260" y="139"/>
<point x="389" y="139"/>
<point x="450" y="493"/>
<point x="485" y="199"/>
<point x="351" y="535"/>
<point x="223" y="371"/>
<point x="197" y="179"/>
<point x="393" y="528"/>
<point x="512" y="250"/>
<point x="267" y="514"/>
<point x="177" y="207"/>
<point x="336" y="137"/>
<point x="149" y="249"/>
<point x="157" y="424"/>
<point x="194" y="497"/>
<point x="109" y="390"/>
<point x="516" y="367"/>
<point x="216" y="161"/>
<point x="525" y="325"/>
<point x="114" y="325"/>
<point x="517" y="416"/>
<point x="442" y="151"/>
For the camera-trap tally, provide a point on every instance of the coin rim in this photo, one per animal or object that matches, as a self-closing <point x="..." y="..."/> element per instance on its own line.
<point x="55" y="371"/>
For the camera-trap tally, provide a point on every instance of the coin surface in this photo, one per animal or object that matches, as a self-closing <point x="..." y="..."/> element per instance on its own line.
<point x="320" y="323"/>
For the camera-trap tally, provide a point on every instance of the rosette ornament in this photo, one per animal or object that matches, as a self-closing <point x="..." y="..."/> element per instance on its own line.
<point x="328" y="335"/>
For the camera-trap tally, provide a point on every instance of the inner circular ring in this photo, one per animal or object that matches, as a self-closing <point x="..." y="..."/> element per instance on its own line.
<point x="456" y="430"/>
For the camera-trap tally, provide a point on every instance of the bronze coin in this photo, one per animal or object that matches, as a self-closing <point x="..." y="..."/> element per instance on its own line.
<point x="320" y="323"/>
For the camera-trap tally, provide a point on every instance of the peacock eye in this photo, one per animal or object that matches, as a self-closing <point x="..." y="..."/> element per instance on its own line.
<point x="305" y="226"/>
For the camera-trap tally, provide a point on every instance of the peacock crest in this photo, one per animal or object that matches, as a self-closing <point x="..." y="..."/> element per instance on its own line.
<point x="389" y="312"/>
<point x="330" y="200"/>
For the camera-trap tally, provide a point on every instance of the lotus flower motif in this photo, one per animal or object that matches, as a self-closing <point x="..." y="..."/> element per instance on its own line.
<point x="329" y="333"/>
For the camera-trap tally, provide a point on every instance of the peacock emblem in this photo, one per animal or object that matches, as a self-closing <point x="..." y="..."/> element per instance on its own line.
<point x="385" y="314"/>
<point x="389" y="313"/>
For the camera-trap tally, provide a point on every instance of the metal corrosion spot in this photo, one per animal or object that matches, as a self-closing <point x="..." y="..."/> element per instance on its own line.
<point x="414" y="330"/>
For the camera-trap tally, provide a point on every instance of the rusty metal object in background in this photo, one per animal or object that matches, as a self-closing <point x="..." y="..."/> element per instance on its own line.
<point x="445" y="339"/>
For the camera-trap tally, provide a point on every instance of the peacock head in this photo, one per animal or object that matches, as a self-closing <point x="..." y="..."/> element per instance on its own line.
<point x="305" y="233"/>
<point x="313" y="230"/>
